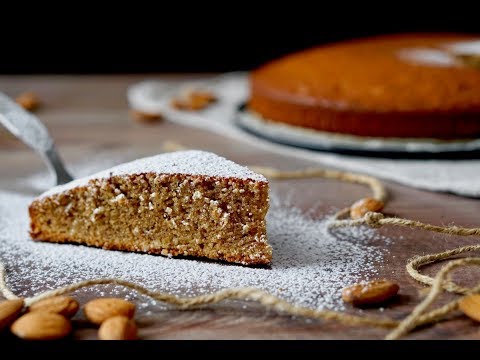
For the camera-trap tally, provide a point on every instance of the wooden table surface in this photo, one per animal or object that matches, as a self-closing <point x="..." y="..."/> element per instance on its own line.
<point x="86" y="114"/>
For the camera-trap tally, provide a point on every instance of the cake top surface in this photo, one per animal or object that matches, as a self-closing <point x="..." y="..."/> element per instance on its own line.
<point x="406" y="72"/>
<point x="191" y="162"/>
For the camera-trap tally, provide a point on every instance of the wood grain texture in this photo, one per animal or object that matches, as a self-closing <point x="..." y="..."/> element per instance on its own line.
<point x="89" y="114"/>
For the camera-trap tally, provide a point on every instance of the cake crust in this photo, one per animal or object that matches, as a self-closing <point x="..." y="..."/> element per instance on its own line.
<point x="367" y="88"/>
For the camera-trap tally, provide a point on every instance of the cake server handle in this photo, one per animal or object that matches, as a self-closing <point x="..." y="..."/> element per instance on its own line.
<point x="29" y="129"/>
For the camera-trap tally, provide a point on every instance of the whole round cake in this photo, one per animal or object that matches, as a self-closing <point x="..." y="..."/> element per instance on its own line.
<point x="403" y="86"/>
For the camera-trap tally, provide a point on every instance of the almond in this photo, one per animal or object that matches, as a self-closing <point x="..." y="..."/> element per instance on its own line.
<point x="144" y="117"/>
<point x="99" y="310"/>
<point x="362" y="206"/>
<point x="28" y="100"/>
<point x="470" y="306"/>
<point x="9" y="311"/>
<point x="202" y="96"/>
<point x="371" y="292"/>
<point x="40" y="325"/>
<point x="118" y="328"/>
<point x="183" y="104"/>
<point x="193" y="100"/>
<point x="63" y="305"/>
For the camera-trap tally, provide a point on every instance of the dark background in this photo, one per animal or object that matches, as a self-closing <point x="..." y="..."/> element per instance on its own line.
<point x="139" y="38"/>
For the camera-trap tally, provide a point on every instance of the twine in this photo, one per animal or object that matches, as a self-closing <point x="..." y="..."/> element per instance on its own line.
<point x="186" y="303"/>
<point x="378" y="190"/>
<point x="377" y="220"/>
<point x="272" y="302"/>
<point x="411" y="321"/>
<point x="416" y="318"/>
<point x="418" y="261"/>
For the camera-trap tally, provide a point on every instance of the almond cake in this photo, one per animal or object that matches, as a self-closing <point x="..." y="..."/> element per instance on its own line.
<point x="374" y="87"/>
<point x="188" y="203"/>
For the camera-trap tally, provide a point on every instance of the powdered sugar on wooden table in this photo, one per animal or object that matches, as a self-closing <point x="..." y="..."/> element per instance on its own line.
<point x="310" y="265"/>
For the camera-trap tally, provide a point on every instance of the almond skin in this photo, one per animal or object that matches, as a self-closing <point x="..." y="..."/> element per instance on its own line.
<point x="63" y="305"/>
<point x="99" y="310"/>
<point x="40" y="325"/>
<point x="470" y="306"/>
<point x="362" y="206"/>
<point x="371" y="292"/>
<point x="9" y="311"/>
<point x="118" y="328"/>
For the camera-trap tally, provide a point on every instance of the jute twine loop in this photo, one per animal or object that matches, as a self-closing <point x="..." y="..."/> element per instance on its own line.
<point x="378" y="190"/>
<point x="417" y="317"/>
<point x="411" y="321"/>
<point x="418" y="261"/>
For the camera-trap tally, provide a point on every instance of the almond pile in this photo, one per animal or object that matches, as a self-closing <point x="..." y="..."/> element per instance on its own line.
<point x="115" y="317"/>
<point x="193" y="100"/>
<point x="49" y="319"/>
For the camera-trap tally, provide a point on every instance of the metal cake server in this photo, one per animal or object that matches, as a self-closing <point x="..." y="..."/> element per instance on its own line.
<point x="28" y="128"/>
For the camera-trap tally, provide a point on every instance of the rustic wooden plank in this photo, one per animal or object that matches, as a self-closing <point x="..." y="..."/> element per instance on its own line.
<point x="89" y="113"/>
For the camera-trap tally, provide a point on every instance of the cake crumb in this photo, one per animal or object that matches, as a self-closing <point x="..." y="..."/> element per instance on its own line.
<point x="197" y="195"/>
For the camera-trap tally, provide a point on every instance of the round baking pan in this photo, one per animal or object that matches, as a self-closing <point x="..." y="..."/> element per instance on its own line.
<point x="354" y="145"/>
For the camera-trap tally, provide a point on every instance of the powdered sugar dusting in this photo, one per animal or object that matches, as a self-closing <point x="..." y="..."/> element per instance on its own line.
<point x="192" y="162"/>
<point x="310" y="264"/>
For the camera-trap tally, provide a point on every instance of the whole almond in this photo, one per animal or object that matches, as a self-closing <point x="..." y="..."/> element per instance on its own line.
<point x="28" y="100"/>
<point x="144" y="117"/>
<point x="9" y="311"/>
<point x="99" y="310"/>
<point x="40" y="325"/>
<point x="118" y="328"/>
<point x="202" y="96"/>
<point x="193" y="100"/>
<point x="188" y="104"/>
<point x="362" y="206"/>
<point x="371" y="292"/>
<point x="470" y="306"/>
<point x="63" y="305"/>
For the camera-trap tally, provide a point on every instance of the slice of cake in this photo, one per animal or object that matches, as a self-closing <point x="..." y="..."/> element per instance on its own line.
<point x="190" y="203"/>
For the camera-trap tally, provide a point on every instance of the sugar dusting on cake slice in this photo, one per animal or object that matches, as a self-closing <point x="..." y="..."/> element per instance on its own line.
<point x="189" y="203"/>
<point x="191" y="162"/>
